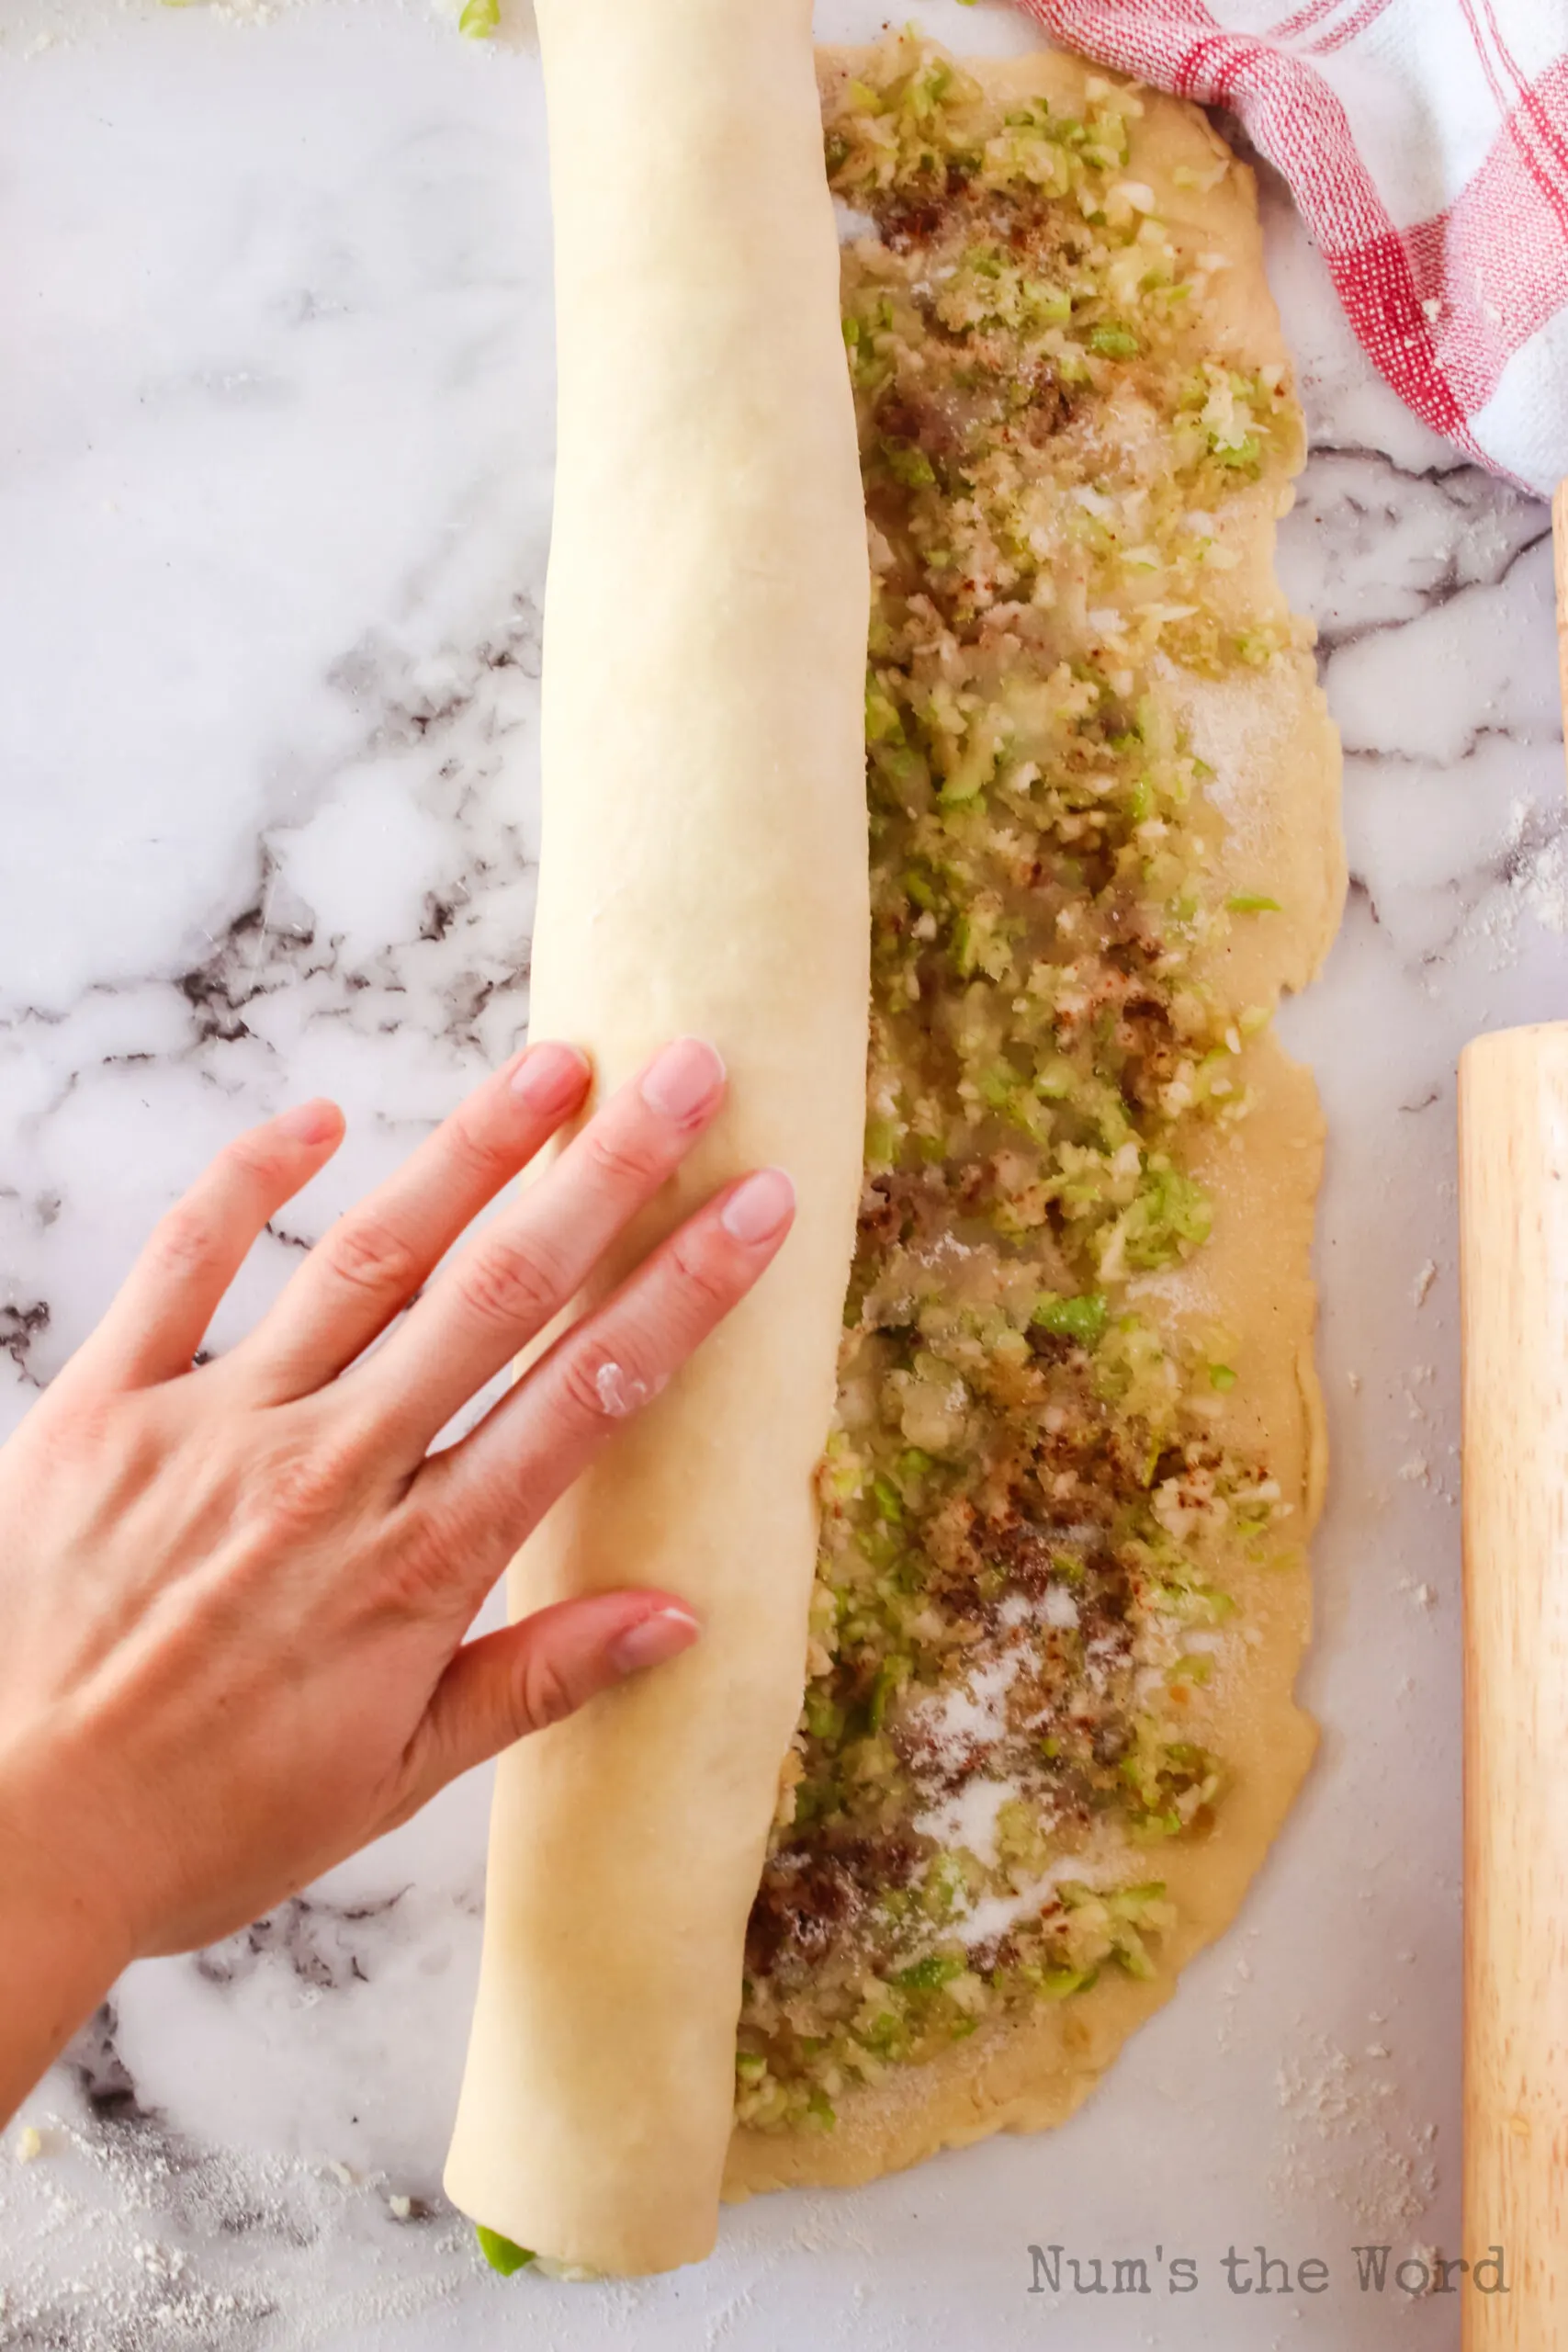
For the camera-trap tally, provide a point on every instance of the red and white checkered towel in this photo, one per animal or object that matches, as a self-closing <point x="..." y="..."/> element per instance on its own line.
<point x="1426" y="142"/>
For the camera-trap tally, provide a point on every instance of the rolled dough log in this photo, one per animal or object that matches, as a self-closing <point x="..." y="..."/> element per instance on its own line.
<point x="704" y="869"/>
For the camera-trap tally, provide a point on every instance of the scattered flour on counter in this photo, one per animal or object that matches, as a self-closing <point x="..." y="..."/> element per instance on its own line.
<point x="1531" y="884"/>
<point x="122" y="2236"/>
<point x="1346" y="2136"/>
<point x="1542" y="880"/>
<point x="32" y="29"/>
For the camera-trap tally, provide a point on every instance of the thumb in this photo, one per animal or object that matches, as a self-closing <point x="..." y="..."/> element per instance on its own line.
<point x="504" y="1685"/>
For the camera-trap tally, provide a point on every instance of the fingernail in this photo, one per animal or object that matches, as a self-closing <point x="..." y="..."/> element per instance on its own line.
<point x="683" y="1079"/>
<point x="310" y="1121"/>
<point x="760" y="1207"/>
<point x="550" y="1078"/>
<point x="663" y="1636"/>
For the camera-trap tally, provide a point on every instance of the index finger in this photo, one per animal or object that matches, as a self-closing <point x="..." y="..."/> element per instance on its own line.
<point x="369" y="1265"/>
<point x="499" y="1481"/>
<point x="512" y="1280"/>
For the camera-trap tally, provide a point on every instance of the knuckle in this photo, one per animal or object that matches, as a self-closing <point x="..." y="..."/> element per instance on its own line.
<point x="547" y="1697"/>
<point x="483" y="1157"/>
<point x="67" y="1436"/>
<point x="251" y="1155"/>
<point x="622" y="1162"/>
<point x="310" y="1483"/>
<point x="298" y="1494"/>
<point x="706" y="1279"/>
<point x="582" y="1378"/>
<point x="602" y="1382"/>
<point x="424" y="1571"/>
<point x="184" y="1247"/>
<point x="513" y="1283"/>
<point x="370" y="1255"/>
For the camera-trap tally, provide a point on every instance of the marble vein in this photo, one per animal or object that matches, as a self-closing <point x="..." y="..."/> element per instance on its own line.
<point x="274" y="511"/>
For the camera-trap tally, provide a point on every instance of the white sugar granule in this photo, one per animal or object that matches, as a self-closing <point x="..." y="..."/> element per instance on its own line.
<point x="968" y="1817"/>
<point x="1056" y="1606"/>
<point x="961" y="1722"/>
<point x="959" y="1727"/>
<point x="994" y="1914"/>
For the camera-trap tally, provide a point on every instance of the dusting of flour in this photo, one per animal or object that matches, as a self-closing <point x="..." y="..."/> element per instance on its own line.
<point x="122" y="2237"/>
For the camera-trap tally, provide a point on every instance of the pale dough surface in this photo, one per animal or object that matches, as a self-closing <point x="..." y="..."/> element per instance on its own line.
<point x="704" y="869"/>
<point x="1270" y="738"/>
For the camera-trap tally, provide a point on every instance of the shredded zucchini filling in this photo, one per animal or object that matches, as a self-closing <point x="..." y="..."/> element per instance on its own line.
<point x="1024" y="1499"/>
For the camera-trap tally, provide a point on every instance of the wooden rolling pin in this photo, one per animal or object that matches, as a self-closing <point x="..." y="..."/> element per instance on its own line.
<point x="1513" y="1092"/>
<point x="1513" y="1109"/>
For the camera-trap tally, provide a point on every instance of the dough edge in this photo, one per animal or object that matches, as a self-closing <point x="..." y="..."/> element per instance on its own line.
<point x="1256" y="1277"/>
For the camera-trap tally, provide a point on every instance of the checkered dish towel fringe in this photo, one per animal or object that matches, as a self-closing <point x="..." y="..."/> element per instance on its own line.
<point x="1426" y="142"/>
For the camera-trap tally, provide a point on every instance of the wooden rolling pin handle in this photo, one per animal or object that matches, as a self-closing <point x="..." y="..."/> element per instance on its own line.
<point x="1513" y="1102"/>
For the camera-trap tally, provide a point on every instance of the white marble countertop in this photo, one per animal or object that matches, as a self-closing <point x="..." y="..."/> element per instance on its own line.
<point x="274" y="462"/>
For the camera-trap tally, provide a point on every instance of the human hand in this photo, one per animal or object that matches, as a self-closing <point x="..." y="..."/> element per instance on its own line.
<point x="234" y="1597"/>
